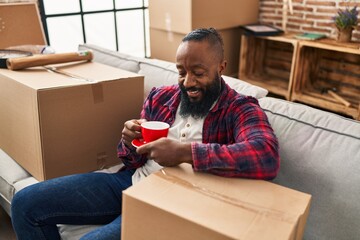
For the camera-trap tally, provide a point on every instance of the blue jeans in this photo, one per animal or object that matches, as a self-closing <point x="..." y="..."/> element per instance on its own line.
<point x="90" y="198"/>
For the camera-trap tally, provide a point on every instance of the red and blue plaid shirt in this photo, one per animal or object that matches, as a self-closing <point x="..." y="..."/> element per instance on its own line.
<point x="237" y="141"/>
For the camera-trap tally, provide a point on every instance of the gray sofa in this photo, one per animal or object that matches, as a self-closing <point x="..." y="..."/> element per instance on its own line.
<point x="320" y="153"/>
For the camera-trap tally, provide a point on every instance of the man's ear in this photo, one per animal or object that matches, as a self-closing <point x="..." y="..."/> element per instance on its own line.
<point x="222" y="67"/>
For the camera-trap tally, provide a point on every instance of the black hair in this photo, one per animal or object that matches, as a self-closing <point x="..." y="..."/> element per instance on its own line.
<point x="209" y="34"/>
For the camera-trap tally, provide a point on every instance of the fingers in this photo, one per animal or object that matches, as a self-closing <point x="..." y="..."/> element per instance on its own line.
<point x="151" y="149"/>
<point x="131" y="130"/>
<point x="155" y="150"/>
<point x="144" y="149"/>
<point x="167" y="152"/>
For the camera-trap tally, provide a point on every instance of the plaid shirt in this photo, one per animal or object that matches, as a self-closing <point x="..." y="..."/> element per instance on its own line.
<point x="238" y="140"/>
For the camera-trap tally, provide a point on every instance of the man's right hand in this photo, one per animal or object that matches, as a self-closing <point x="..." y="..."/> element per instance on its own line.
<point x="131" y="131"/>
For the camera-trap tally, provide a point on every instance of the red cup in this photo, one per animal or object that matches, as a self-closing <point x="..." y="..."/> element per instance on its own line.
<point x="153" y="130"/>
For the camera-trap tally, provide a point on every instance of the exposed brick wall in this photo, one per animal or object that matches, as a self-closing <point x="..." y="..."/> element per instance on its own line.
<point x="308" y="15"/>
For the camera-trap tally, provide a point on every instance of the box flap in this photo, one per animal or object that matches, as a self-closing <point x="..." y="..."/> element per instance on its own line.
<point x="85" y="73"/>
<point x="20" y="24"/>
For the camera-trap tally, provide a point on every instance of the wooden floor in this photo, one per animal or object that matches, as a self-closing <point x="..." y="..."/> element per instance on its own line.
<point x="6" y="231"/>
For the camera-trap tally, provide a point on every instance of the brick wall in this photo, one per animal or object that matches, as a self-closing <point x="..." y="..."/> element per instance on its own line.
<point x="308" y="15"/>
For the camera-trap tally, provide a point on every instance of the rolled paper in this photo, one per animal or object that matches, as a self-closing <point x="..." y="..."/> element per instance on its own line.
<point x="41" y="60"/>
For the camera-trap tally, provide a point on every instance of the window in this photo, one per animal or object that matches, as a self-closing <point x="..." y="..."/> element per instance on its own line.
<point x="121" y="25"/>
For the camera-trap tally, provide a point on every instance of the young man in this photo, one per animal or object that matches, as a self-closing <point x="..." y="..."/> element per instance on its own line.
<point x="213" y="128"/>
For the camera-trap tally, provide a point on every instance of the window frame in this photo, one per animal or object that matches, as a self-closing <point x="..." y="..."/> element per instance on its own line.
<point x="82" y="13"/>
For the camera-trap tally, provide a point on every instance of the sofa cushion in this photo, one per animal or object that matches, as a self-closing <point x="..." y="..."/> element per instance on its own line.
<point x="11" y="173"/>
<point x="112" y="58"/>
<point x="245" y="87"/>
<point x="158" y="73"/>
<point x="320" y="155"/>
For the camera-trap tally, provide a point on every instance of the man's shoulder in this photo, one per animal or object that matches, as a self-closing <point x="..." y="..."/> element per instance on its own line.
<point x="164" y="91"/>
<point x="235" y="97"/>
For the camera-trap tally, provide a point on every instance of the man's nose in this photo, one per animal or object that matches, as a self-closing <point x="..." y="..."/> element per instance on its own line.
<point x="189" y="81"/>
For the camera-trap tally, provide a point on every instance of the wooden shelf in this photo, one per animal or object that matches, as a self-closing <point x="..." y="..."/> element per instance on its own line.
<point x="327" y="65"/>
<point x="304" y="70"/>
<point x="268" y="62"/>
<point x="272" y="84"/>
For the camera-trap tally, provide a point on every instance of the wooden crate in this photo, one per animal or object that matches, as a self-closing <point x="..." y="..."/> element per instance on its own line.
<point x="269" y="62"/>
<point x="326" y="65"/>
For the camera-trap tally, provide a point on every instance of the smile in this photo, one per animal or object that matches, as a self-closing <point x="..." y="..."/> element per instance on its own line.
<point x="193" y="93"/>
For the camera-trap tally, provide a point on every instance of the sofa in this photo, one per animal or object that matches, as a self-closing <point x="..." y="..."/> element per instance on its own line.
<point x="319" y="150"/>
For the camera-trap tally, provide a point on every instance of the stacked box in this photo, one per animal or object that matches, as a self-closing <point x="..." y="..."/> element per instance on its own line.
<point x="170" y="21"/>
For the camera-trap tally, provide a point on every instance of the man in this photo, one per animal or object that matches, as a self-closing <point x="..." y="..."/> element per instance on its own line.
<point x="213" y="128"/>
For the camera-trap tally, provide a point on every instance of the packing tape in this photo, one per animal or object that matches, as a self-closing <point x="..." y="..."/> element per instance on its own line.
<point x="271" y="213"/>
<point x="46" y="59"/>
<point x="170" y="34"/>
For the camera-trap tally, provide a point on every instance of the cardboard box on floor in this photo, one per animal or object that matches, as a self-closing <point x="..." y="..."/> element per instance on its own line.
<point x="20" y="24"/>
<point x="161" y="38"/>
<point x="178" y="204"/>
<point x="182" y="16"/>
<point x="54" y="125"/>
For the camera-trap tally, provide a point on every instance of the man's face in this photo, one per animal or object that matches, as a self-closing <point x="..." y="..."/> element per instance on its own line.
<point x="199" y="77"/>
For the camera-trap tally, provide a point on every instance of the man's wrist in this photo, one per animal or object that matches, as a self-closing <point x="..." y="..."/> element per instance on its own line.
<point x="186" y="153"/>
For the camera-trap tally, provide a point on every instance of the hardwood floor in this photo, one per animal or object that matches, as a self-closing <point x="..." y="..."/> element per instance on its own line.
<point x="6" y="230"/>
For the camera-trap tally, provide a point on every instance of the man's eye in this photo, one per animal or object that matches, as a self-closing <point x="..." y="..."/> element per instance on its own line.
<point x="199" y="74"/>
<point x="182" y="74"/>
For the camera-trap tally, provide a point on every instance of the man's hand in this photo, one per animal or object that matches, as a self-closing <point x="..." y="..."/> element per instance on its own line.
<point x="131" y="131"/>
<point x="167" y="152"/>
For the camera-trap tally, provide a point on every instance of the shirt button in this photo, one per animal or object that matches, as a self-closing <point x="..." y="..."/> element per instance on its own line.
<point x="188" y="125"/>
<point x="183" y="135"/>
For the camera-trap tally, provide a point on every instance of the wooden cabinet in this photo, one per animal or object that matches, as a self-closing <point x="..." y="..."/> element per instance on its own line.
<point x="268" y="62"/>
<point x="321" y="73"/>
<point x="327" y="75"/>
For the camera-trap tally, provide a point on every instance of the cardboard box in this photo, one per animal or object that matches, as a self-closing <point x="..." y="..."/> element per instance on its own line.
<point x="54" y="125"/>
<point x="164" y="44"/>
<point x="182" y="16"/>
<point x="178" y="204"/>
<point x="20" y="24"/>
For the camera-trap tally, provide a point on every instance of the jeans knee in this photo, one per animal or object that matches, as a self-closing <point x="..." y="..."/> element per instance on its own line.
<point x="17" y="204"/>
<point x="23" y="203"/>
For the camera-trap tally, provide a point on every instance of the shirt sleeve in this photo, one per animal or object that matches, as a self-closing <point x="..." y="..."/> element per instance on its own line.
<point x="129" y="157"/>
<point x="253" y="153"/>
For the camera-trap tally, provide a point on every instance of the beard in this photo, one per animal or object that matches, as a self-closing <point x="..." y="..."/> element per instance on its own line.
<point x="199" y="109"/>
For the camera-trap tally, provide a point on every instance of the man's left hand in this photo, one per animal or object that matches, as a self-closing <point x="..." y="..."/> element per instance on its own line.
<point x="167" y="152"/>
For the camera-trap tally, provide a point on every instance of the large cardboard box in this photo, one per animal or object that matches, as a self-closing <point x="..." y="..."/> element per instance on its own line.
<point x="164" y="44"/>
<point x="178" y="204"/>
<point x="55" y="125"/>
<point x="20" y="24"/>
<point x="182" y="16"/>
